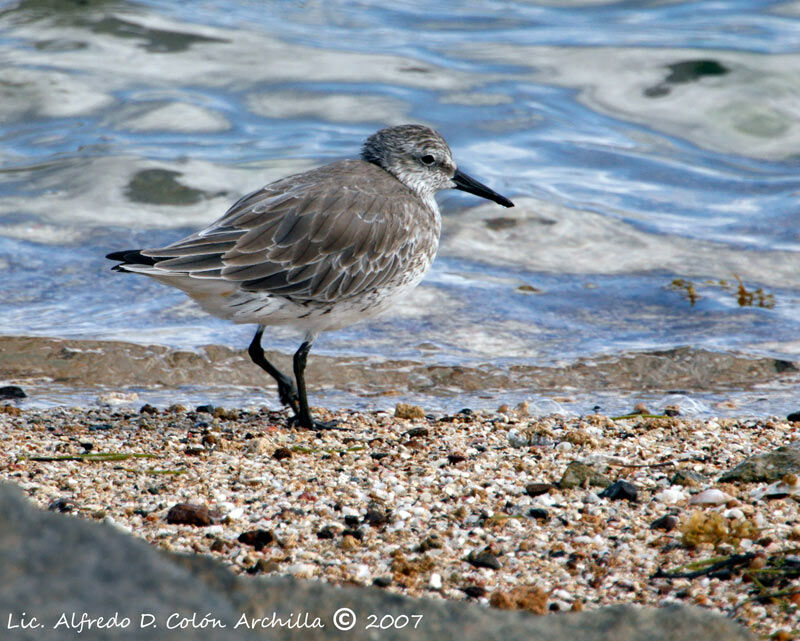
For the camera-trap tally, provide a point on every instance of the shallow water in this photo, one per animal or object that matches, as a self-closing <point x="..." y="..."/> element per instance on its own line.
<point x="652" y="150"/>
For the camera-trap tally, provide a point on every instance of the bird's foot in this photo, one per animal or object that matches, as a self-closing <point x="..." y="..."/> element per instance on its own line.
<point x="310" y="423"/>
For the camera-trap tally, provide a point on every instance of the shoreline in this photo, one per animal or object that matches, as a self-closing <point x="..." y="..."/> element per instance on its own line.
<point x="468" y="506"/>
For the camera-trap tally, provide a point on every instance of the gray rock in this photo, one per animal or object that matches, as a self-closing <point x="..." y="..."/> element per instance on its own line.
<point x="51" y="564"/>
<point x="765" y="468"/>
<point x="688" y="478"/>
<point x="580" y="474"/>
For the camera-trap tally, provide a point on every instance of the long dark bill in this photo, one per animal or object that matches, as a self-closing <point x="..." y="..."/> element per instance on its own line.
<point x="465" y="183"/>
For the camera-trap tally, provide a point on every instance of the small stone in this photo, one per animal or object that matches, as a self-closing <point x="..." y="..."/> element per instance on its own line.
<point x="376" y="517"/>
<point x="189" y="514"/>
<point x="12" y="391"/>
<point x="473" y="591"/>
<point x="580" y="474"/>
<point x="204" y="409"/>
<point x="668" y="522"/>
<point x="327" y="532"/>
<point x="688" y="478"/>
<point x="176" y="408"/>
<point x="539" y="514"/>
<point x="621" y="490"/>
<point x="672" y="410"/>
<point x="220" y="545"/>
<point x="456" y="457"/>
<point x="62" y="505"/>
<point x="349" y="542"/>
<point x="194" y="450"/>
<point x="435" y="581"/>
<point x="484" y="559"/>
<point x="382" y="581"/>
<point x="259" y="539"/>
<point x="710" y="497"/>
<point x="264" y="566"/>
<point x="282" y="453"/>
<point x="257" y="446"/>
<point x="408" y="411"/>
<point x="537" y="489"/>
<point x="209" y="440"/>
<point x="794" y="417"/>
<point x="640" y="408"/>
<point x="352" y="521"/>
<point x="148" y="409"/>
<point x="358" y="534"/>
<point x="416" y="432"/>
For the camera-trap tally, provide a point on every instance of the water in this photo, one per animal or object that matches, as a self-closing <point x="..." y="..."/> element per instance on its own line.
<point x="652" y="150"/>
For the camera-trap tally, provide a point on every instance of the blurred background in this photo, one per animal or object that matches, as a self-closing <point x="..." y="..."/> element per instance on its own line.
<point x="652" y="149"/>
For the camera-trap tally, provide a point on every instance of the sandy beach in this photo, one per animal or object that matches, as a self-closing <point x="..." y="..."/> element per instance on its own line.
<point x="497" y="507"/>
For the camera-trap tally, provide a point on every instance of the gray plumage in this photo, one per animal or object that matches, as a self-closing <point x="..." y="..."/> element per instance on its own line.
<point x="321" y="249"/>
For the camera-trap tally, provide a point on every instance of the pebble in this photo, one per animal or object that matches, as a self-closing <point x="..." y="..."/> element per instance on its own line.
<point x="435" y="581"/>
<point x="670" y="496"/>
<point x="580" y="474"/>
<point x="620" y="490"/>
<point x="408" y="411"/>
<point x="484" y="559"/>
<point x="668" y="522"/>
<point x="710" y="497"/>
<point x="537" y="489"/>
<point x="688" y="478"/>
<point x="259" y="539"/>
<point x="189" y="514"/>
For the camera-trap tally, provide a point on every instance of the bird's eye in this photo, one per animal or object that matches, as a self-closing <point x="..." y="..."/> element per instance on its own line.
<point x="427" y="159"/>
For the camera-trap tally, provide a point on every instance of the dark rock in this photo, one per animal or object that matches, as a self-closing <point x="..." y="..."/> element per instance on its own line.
<point x="456" y="457"/>
<point x="357" y="534"/>
<point x="537" y="489"/>
<point x="539" y="514"/>
<point x="484" y="559"/>
<point x="97" y="569"/>
<point x="672" y="410"/>
<point x="382" y="581"/>
<point x="688" y="478"/>
<point x="379" y="455"/>
<point x="259" y="539"/>
<point x="351" y="520"/>
<point x="148" y="409"/>
<point x="204" y="409"/>
<point x="282" y="453"/>
<point x="621" y="490"/>
<point x="220" y="545"/>
<point x="377" y="517"/>
<point x="580" y="474"/>
<point x="12" y="391"/>
<point x="765" y="468"/>
<point x="327" y="532"/>
<point x="101" y="427"/>
<point x="62" y="505"/>
<point x="189" y="514"/>
<point x="473" y="591"/>
<point x="668" y="522"/>
<point x="416" y="432"/>
<point x="794" y="417"/>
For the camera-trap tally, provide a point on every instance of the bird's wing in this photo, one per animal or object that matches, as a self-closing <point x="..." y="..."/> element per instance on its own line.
<point x="318" y="236"/>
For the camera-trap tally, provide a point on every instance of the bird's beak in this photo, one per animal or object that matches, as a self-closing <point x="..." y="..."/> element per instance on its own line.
<point x="465" y="183"/>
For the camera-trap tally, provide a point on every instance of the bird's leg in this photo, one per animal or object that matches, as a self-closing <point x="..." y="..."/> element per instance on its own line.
<point x="303" y="417"/>
<point x="286" y="390"/>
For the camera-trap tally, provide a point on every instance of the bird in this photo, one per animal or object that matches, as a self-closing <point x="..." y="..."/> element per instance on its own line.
<point x="318" y="250"/>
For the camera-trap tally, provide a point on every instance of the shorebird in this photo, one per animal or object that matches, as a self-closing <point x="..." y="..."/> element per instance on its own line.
<point x="319" y="250"/>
